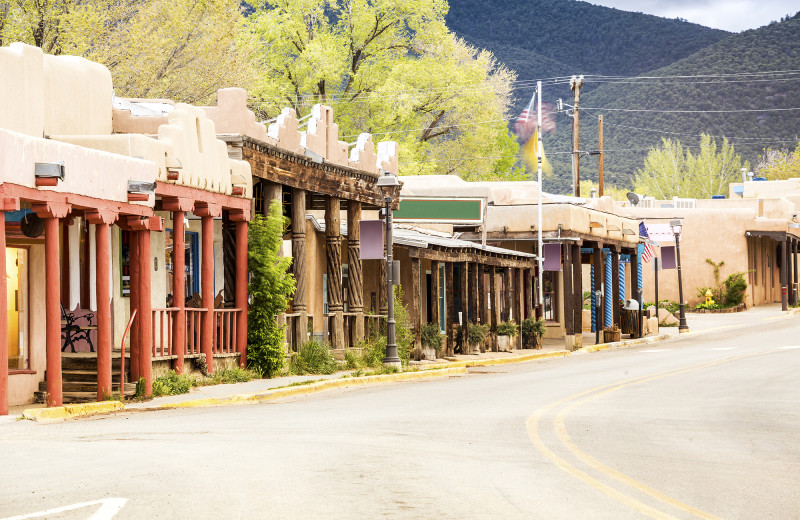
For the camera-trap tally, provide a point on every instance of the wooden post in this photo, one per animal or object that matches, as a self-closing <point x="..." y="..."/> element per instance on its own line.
<point x="179" y="289"/>
<point x="794" y="261"/>
<point x="494" y="312"/>
<point x="788" y="259"/>
<point x="635" y="284"/>
<point x="102" y="221"/>
<point x="575" y="85"/>
<point x="355" y="284"/>
<point x="784" y="270"/>
<point x="567" y="297"/>
<point x="300" y="297"/>
<point x="528" y="286"/>
<point x="416" y="295"/>
<point x="482" y="317"/>
<point x="206" y="290"/>
<point x="135" y="282"/>
<point x="145" y="315"/>
<point x="434" y="292"/>
<point x="519" y="302"/>
<point x="450" y="308"/>
<point x="241" y="290"/>
<point x="272" y="192"/>
<point x="3" y="320"/>
<point x="507" y="285"/>
<point x="577" y="295"/>
<point x="473" y="300"/>
<point x="600" y="158"/>
<point x="333" y="246"/>
<point x="464" y="308"/>
<point x="599" y="270"/>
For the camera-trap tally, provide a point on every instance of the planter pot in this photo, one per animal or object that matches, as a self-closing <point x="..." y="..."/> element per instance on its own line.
<point x="531" y="341"/>
<point x="428" y="353"/>
<point x="505" y="343"/>
<point x="611" y="337"/>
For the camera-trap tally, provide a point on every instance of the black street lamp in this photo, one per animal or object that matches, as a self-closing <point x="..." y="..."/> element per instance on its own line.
<point x="676" y="230"/>
<point x="388" y="185"/>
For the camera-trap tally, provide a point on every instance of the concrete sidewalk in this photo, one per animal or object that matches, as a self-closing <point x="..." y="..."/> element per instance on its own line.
<point x="265" y="389"/>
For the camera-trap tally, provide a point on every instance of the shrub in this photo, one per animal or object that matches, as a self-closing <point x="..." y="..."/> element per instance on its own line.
<point x="314" y="357"/>
<point x="734" y="289"/>
<point x="476" y="334"/>
<point x="270" y="287"/>
<point x="709" y="306"/>
<point x="172" y="384"/>
<point x="533" y="326"/>
<point x="507" y="328"/>
<point x="432" y="337"/>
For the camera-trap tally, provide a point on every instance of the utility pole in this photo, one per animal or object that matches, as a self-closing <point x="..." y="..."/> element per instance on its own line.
<point x="600" y="163"/>
<point x="575" y="84"/>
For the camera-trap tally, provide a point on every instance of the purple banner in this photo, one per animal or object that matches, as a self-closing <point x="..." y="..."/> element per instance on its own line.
<point x="371" y="239"/>
<point x="667" y="257"/>
<point x="552" y="257"/>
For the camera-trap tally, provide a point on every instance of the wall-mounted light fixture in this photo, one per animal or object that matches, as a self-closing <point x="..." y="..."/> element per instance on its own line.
<point x="48" y="174"/>
<point x="140" y="191"/>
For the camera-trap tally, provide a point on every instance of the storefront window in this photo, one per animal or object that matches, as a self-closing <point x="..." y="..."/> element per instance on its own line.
<point x="192" y="267"/>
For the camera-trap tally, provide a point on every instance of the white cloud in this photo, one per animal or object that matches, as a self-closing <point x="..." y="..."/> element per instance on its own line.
<point x="730" y="15"/>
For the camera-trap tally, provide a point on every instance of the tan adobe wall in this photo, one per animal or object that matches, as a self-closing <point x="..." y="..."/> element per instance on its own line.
<point x="44" y="95"/>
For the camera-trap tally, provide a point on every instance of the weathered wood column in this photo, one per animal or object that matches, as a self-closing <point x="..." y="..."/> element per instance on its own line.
<point x="355" y="283"/>
<point x="566" y="297"/>
<point x="494" y="312"/>
<point x="528" y="283"/>
<point x="179" y="208"/>
<point x="794" y="262"/>
<point x="145" y="315"/>
<point x="300" y="297"/>
<point x="102" y="221"/>
<point x="240" y="298"/>
<point x="507" y="284"/>
<point x="133" y="302"/>
<point x="207" y="212"/>
<point x="464" y="282"/>
<point x="783" y="277"/>
<point x="789" y="271"/>
<point x="635" y="283"/>
<point x="599" y="271"/>
<point x="434" y="311"/>
<point x="52" y="212"/>
<point x="272" y="192"/>
<point x="416" y="296"/>
<point x="450" y="308"/>
<point x="577" y="296"/>
<point x="482" y="316"/>
<point x="333" y="247"/>
<point x="473" y="301"/>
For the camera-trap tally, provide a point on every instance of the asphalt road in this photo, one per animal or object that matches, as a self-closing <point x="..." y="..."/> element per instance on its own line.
<point x="704" y="426"/>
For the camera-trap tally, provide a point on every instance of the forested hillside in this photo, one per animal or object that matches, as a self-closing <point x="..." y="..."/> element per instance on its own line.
<point x="543" y="38"/>
<point x="738" y="98"/>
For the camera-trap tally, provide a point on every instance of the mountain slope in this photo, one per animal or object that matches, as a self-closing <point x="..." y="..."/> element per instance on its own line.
<point x="775" y="47"/>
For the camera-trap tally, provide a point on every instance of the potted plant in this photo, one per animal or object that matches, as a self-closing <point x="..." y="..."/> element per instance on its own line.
<point x="476" y="335"/>
<point x="431" y="340"/>
<point x="505" y="331"/>
<point x="532" y="332"/>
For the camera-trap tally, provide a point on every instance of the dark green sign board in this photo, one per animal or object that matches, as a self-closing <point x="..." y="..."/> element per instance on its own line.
<point x="440" y="210"/>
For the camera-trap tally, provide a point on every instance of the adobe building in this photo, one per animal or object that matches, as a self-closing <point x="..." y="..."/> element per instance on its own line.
<point x="578" y="238"/>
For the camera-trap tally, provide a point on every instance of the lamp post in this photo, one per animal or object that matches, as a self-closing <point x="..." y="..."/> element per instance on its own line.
<point x="676" y="230"/>
<point x="388" y="185"/>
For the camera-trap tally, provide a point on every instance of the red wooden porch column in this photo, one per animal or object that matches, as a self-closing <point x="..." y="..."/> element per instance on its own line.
<point x="145" y="315"/>
<point x="179" y="207"/>
<point x="241" y="283"/>
<point x="51" y="212"/>
<point x="6" y="204"/>
<point x="102" y="219"/>
<point x="207" y="211"/>
<point x="133" y="302"/>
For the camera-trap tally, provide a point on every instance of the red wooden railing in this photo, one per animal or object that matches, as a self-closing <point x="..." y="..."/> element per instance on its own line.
<point x="193" y="320"/>
<point x="122" y="355"/>
<point x="163" y="320"/>
<point x="225" y="325"/>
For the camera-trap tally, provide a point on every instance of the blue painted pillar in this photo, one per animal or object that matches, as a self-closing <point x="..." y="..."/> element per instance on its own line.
<point x="594" y="304"/>
<point x="622" y="282"/>
<point x="609" y="289"/>
<point x="639" y="251"/>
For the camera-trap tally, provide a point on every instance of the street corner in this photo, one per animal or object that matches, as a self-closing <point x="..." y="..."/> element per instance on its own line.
<point x="59" y="413"/>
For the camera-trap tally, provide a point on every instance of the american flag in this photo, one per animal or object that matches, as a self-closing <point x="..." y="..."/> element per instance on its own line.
<point x="649" y="252"/>
<point x="526" y="123"/>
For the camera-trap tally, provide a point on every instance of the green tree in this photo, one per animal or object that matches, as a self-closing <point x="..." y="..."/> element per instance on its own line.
<point x="271" y="286"/>
<point x="672" y="171"/>
<point x="392" y="68"/>
<point x="779" y="164"/>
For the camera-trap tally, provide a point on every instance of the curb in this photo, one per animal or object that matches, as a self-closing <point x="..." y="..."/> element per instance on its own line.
<point x="504" y="361"/>
<point x="626" y="343"/>
<point x="301" y="390"/>
<point x="71" y="410"/>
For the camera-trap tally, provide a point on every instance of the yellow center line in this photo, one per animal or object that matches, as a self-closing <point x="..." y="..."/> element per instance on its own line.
<point x="594" y="393"/>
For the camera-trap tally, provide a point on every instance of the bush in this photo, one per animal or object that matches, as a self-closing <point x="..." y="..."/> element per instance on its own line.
<point x="709" y="306"/>
<point x="533" y="326"/>
<point x="227" y="376"/>
<point x="172" y="384"/>
<point x="476" y="334"/>
<point x="431" y="337"/>
<point x="314" y="357"/>
<point x="507" y="328"/>
<point x="270" y="287"/>
<point x="734" y="289"/>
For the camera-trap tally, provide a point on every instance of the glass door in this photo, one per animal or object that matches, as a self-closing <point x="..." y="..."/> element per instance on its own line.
<point x="17" y="301"/>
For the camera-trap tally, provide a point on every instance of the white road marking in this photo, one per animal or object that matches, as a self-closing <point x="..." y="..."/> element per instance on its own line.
<point x="723" y="348"/>
<point x="654" y="350"/>
<point x="109" y="507"/>
<point x="789" y="347"/>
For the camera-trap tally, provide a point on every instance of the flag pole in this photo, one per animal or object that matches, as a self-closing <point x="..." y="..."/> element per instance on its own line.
<point x="539" y="179"/>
